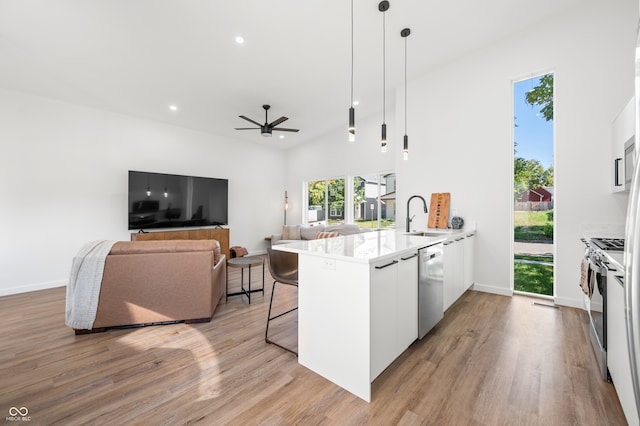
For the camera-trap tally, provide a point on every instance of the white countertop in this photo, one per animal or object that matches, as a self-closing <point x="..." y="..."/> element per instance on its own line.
<point x="368" y="247"/>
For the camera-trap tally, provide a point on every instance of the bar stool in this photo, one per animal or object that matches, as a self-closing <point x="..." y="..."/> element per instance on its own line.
<point x="283" y="267"/>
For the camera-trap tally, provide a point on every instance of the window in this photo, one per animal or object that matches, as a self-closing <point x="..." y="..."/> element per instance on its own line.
<point x="375" y="201"/>
<point x="325" y="196"/>
<point x="372" y="197"/>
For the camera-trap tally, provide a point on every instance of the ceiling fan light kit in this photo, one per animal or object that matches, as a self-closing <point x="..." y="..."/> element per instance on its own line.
<point x="267" y="128"/>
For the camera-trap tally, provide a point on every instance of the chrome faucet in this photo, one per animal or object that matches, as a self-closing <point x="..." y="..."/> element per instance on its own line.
<point x="409" y="219"/>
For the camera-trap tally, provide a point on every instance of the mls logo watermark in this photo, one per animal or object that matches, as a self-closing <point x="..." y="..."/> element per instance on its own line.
<point x="18" y="415"/>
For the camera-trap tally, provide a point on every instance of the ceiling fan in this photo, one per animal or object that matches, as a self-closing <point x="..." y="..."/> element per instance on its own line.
<point x="267" y="128"/>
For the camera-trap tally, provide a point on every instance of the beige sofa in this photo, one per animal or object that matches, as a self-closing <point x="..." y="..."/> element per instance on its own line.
<point x="150" y="282"/>
<point x="293" y="233"/>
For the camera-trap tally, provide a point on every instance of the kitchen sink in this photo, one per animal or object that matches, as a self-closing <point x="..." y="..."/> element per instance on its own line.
<point x="429" y="234"/>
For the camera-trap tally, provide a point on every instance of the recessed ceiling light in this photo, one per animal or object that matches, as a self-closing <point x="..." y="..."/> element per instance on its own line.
<point x="239" y="40"/>
<point x="173" y="107"/>
<point x="356" y="103"/>
<point x="281" y="136"/>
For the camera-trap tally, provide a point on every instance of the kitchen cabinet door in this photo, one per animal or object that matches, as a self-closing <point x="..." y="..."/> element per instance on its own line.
<point x="617" y="348"/>
<point x="383" y="279"/>
<point x="469" y="255"/>
<point x="449" y="264"/>
<point x="407" y="301"/>
<point x="458" y="271"/>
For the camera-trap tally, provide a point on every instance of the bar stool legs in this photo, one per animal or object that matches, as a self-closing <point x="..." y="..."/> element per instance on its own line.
<point x="269" y="318"/>
<point x="283" y="267"/>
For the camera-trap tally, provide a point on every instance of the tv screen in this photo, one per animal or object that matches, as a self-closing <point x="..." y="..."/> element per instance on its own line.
<point x="159" y="200"/>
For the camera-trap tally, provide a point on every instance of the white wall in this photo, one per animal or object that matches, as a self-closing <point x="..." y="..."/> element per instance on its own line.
<point x="461" y="139"/>
<point x="63" y="182"/>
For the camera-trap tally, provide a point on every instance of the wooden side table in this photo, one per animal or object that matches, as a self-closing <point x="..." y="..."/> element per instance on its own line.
<point x="244" y="262"/>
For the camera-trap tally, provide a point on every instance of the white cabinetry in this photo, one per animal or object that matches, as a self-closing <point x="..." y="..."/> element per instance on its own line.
<point x="394" y="309"/>
<point x="622" y="132"/>
<point x="469" y="256"/>
<point x="407" y="301"/>
<point x="458" y="267"/>
<point x="383" y="315"/>
<point x="449" y="265"/>
<point x="617" y="352"/>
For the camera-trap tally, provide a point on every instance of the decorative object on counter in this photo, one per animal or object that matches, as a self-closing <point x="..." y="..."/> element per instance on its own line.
<point x="457" y="222"/>
<point x="439" y="210"/>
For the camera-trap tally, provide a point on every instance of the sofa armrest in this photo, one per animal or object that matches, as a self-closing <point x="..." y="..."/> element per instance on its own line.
<point x="275" y="237"/>
<point x="218" y="280"/>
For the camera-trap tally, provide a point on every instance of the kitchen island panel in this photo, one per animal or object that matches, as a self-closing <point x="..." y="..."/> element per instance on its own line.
<point x="334" y="321"/>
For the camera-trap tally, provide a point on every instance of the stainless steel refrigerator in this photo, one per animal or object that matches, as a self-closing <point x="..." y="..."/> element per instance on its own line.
<point x="632" y="256"/>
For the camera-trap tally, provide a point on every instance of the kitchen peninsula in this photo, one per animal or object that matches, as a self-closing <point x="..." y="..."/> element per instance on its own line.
<point x="358" y="303"/>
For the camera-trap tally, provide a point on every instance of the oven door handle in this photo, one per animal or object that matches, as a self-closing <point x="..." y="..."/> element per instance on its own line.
<point x="606" y="265"/>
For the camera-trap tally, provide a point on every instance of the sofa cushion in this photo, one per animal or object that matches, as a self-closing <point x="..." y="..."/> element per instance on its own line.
<point x="291" y="232"/>
<point x="325" y="234"/>
<point x="309" y="232"/>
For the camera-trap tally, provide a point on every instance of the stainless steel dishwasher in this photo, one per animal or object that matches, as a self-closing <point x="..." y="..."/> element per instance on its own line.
<point x="430" y="288"/>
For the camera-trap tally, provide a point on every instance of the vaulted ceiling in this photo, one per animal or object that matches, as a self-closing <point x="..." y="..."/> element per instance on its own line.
<point x="137" y="57"/>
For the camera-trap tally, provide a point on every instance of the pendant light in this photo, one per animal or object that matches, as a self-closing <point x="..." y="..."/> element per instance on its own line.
<point x="405" y="148"/>
<point x="352" y="111"/>
<point x="383" y="6"/>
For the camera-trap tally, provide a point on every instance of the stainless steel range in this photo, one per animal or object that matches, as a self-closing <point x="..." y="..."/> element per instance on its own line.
<point x="614" y="244"/>
<point x="597" y="302"/>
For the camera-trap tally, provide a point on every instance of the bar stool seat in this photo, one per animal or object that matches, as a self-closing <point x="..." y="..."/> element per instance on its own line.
<point x="283" y="267"/>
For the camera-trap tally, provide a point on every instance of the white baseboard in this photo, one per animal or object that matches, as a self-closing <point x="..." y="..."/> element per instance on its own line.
<point x="32" y="287"/>
<point x="562" y="301"/>
<point x="492" y="289"/>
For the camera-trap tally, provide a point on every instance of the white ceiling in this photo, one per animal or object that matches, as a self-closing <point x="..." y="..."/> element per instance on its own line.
<point x="137" y="57"/>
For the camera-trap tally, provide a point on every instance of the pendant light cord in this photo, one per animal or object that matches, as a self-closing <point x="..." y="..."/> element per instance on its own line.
<point x="405" y="85"/>
<point x="351" y="53"/>
<point x="384" y="103"/>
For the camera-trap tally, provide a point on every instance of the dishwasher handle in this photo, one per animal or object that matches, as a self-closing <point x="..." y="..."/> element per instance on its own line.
<point x="434" y="255"/>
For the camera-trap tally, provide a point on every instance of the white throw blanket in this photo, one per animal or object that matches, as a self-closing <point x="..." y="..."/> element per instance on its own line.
<point x="83" y="289"/>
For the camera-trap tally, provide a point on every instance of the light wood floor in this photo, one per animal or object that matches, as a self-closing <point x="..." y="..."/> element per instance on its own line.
<point x="492" y="360"/>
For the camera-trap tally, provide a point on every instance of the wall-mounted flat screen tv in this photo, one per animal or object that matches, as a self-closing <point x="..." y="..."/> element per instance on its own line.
<point x="158" y="200"/>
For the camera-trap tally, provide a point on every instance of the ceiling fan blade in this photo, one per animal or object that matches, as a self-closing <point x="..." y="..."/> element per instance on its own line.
<point x="282" y="129"/>
<point x="247" y="128"/>
<point x="248" y="119"/>
<point x="278" y="121"/>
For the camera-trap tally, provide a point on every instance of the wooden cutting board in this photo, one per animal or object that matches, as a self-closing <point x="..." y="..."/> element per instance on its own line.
<point x="439" y="210"/>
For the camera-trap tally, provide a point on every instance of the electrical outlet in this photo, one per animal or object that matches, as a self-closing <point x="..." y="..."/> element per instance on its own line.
<point x="329" y="263"/>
